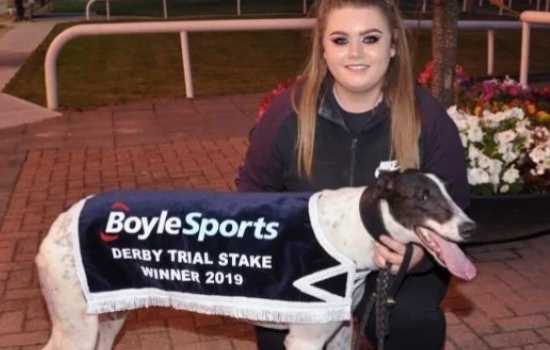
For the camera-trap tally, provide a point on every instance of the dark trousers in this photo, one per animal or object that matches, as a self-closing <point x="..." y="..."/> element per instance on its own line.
<point x="416" y="321"/>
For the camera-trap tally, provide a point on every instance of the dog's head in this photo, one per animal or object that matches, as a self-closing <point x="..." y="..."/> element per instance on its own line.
<point x="416" y="207"/>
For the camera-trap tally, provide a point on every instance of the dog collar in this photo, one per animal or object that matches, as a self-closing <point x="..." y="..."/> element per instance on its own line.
<point x="369" y="209"/>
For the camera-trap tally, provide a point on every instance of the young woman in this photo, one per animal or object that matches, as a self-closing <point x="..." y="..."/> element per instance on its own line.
<point x="355" y="107"/>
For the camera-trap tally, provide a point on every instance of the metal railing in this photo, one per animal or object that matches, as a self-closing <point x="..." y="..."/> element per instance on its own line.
<point x="108" y="9"/>
<point x="184" y="27"/>
<point x="165" y="8"/>
<point x="465" y="6"/>
<point x="527" y="19"/>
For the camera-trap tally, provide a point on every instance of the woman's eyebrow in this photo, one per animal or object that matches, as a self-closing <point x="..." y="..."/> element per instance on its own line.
<point x="365" y="32"/>
<point x="370" y="31"/>
<point x="337" y="32"/>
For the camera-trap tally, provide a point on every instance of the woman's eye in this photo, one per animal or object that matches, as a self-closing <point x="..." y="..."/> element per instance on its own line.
<point x="371" y="39"/>
<point x="340" y="41"/>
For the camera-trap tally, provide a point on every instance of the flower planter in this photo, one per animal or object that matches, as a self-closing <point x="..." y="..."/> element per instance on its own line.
<point x="509" y="217"/>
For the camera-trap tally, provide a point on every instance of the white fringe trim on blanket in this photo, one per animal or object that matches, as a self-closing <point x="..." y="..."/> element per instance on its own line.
<point x="239" y="307"/>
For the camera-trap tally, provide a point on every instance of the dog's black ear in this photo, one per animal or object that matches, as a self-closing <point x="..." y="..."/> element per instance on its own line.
<point x="386" y="181"/>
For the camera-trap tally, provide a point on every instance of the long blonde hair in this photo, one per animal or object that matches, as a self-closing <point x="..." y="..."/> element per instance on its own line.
<point x="398" y="88"/>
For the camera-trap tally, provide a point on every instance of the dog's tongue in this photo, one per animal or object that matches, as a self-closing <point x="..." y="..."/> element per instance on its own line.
<point x="455" y="259"/>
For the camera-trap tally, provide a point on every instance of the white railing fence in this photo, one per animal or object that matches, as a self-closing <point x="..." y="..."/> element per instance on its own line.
<point x="466" y="6"/>
<point x="108" y="9"/>
<point x="184" y="27"/>
<point x="527" y="19"/>
<point x="165" y="8"/>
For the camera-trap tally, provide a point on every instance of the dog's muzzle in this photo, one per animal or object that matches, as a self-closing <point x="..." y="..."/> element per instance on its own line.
<point x="467" y="229"/>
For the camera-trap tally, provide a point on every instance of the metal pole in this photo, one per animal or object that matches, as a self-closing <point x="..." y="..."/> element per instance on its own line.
<point x="165" y="9"/>
<point x="186" y="60"/>
<point x="304" y="7"/>
<point x="50" y="77"/>
<point x="88" y="7"/>
<point x="424" y="5"/>
<point x="490" y="52"/>
<point x="547" y="6"/>
<point x="524" y="65"/>
<point x="538" y="5"/>
<point x="238" y="7"/>
<point x="108" y="9"/>
<point x="464" y="5"/>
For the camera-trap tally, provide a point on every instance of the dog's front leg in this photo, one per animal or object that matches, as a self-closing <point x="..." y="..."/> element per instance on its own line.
<point x="309" y="336"/>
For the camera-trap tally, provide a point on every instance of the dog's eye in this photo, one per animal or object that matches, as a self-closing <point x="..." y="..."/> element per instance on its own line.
<point x="425" y="195"/>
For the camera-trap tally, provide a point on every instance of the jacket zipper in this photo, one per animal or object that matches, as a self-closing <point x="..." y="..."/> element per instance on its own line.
<point x="354" y="142"/>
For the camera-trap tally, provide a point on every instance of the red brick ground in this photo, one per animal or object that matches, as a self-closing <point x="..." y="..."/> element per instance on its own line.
<point x="176" y="144"/>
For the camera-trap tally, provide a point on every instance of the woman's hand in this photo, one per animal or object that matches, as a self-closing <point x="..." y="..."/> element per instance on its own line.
<point x="393" y="252"/>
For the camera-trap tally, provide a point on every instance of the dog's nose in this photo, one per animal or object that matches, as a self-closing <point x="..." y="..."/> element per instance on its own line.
<point x="467" y="229"/>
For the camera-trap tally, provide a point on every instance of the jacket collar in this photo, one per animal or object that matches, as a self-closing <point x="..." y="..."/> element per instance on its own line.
<point x="325" y="110"/>
<point x="328" y="112"/>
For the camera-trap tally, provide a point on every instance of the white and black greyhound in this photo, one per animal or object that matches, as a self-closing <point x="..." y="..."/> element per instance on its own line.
<point x="411" y="206"/>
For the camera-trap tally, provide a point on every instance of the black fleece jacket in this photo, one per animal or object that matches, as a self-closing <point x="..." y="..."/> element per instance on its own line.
<point x="343" y="159"/>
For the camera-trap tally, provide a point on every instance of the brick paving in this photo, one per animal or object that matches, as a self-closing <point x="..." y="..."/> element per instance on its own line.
<point x="179" y="144"/>
<point x="46" y="166"/>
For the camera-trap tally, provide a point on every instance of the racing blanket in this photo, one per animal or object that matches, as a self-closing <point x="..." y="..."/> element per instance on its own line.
<point x="259" y="256"/>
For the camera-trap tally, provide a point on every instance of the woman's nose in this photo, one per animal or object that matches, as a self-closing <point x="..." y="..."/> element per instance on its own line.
<point x="355" y="49"/>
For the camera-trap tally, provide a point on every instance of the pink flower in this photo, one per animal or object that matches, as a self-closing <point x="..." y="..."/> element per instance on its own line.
<point x="278" y="90"/>
<point x="425" y="77"/>
<point x="514" y="90"/>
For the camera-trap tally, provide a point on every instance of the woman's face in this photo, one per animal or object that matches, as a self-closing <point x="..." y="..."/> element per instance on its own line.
<point x="357" y="47"/>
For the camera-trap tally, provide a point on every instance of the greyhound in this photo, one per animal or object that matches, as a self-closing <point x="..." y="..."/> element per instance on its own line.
<point x="413" y="207"/>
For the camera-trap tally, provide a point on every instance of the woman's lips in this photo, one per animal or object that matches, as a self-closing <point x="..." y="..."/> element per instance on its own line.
<point x="357" y="67"/>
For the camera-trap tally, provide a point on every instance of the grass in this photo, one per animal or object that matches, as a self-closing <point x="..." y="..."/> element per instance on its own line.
<point x="105" y="70"/>
<point x="68" y="6"/>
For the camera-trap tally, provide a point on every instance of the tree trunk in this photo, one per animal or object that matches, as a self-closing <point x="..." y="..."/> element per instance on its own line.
<point x="444" y="44"/>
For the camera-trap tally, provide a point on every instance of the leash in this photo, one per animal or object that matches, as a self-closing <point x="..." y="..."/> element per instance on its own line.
<point x="387" y="285"/>
<point x="383" y="298"/>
